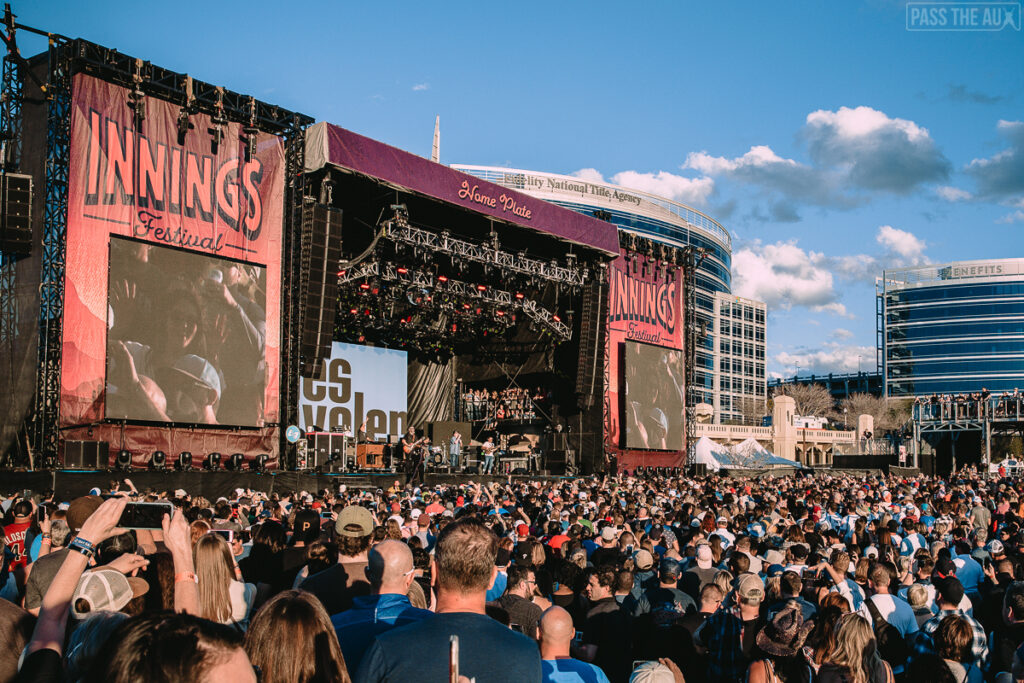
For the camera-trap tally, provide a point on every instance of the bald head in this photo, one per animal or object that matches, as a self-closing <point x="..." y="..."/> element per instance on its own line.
<point x="389" y="567"/>
<point x="555" y="633"/>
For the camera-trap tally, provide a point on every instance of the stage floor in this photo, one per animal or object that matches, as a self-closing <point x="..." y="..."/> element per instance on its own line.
<point x="68" y="484"/>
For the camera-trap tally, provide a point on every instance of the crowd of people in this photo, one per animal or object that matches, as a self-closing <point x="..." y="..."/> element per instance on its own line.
<point x="511" y="403"/>
<point x="831" y="578"/>
<point x="976" y="405"/>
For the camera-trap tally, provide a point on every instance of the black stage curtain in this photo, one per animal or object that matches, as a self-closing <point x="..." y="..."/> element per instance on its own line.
<point x="431" y="392"/>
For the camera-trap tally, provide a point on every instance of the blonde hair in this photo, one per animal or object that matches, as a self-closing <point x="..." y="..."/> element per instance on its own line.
<point x="215" y="570"/>
<point x="723" y="580"/>
<point x="917" y="595"/>
<point x="854" y="647"/>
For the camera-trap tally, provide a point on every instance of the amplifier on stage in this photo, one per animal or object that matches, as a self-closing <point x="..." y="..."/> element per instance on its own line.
<point x="86" y="455"/>
<point x="323" y="445"/>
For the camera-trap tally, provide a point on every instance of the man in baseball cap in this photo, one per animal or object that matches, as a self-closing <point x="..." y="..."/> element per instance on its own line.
<point x="722" y="632"/>
<point x="45" y="568"/>
<point x="337" y="586"/>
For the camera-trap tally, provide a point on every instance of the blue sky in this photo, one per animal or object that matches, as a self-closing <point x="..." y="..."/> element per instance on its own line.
<point x="827" y="138"/>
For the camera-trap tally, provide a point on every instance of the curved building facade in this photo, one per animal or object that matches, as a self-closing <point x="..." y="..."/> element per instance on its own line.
<point x="657" y="218"/>
<point x="952" y="328"/>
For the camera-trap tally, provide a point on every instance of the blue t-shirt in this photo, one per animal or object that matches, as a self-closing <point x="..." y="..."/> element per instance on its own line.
<point x="488" y="651"/>
<point x="571" y="671"/>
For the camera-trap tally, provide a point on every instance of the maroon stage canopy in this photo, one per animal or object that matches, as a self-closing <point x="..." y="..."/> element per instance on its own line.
<point x="327" y="144"/>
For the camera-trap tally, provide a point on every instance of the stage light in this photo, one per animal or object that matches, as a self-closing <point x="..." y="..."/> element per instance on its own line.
<point x="158" y="461"/>
<point x="353" y="311"/>
<point x="184" y="463"/>
<point x="124" y="460"/>
<point x="442" y="278"/>
<point x="212" y="462"/>
<point x="481" y="288"/>
<point x="499" y="313"/>
<point x="520" y="296"/>
<point x="556" y="318"/>
<point x="402" y="271"/>
<point x="364" y="286"/>
<point x="235" y="462"/>
<point x="259" y="464"/>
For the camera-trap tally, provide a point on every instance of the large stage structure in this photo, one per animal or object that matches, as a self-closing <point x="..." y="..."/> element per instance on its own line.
<point x="209" y="280"/>
<point x="118" y="146"/>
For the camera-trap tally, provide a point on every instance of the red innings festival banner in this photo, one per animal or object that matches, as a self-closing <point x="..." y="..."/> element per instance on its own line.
<point x="645" y="306"/>
<point x="180" y="322"/>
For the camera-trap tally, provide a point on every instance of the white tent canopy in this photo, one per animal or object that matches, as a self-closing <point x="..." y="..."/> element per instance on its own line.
<point x="747" y="455"/>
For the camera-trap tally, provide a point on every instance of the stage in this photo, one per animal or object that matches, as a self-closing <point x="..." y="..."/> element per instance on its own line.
<point x="69" y="484"/>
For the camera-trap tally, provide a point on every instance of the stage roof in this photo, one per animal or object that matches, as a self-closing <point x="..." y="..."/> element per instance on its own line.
<point x="330" y="145"/>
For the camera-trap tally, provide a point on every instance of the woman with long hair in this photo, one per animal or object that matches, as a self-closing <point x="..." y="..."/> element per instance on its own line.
<point x="854" y="656"/>
<point x="822" y="637"/>
<point x="312" y="654"/>
<point x="221" y="598"/>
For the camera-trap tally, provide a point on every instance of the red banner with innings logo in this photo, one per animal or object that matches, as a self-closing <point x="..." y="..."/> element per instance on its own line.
<point x="166" y="186"/>
<point x="645" y="305"/>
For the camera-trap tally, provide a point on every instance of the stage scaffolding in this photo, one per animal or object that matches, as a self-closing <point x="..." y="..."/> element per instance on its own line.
<point x="64" y="58"/>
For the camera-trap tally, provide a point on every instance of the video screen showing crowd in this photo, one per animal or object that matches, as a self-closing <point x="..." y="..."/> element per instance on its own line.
<point x="655" y="397"/>
<point x="186" y="337"/>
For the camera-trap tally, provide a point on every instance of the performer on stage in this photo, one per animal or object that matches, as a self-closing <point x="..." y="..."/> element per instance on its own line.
<point x="488" y="449"/>
<point x="455" y="450"/>
<point x="412" y="448"/>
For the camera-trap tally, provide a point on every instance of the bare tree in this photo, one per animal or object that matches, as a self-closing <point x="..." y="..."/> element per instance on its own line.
<point x="888" y="414"/>
<point x="751" y="409"/>
<point x="812" y="400"/>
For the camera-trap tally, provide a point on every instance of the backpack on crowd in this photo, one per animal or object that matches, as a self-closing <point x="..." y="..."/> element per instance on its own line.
<point x="892" y="646"/>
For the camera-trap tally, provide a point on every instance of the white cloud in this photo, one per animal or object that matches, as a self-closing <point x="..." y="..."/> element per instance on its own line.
<point x="783" y="275"/>
<point x="1015" y="217"/>
<point x="762" y="167"/>
<point x="830" y="357"/>
<point x="1002" y="175"/>
<point x="905" y="245"/>
<point x="664" y="184"/>
<point x="693" y="191"/>
<point x="589" y="174"/>
<point x="953" y="194"/>
<point x="877" y="152"/>
<point x="419" y="87"/>
<point x="855" y="152"/>
<point x="841" y="333"/>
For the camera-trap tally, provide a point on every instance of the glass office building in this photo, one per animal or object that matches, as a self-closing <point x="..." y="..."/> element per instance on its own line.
<point x="656" y="218"/>
<point x="952" y="328"/>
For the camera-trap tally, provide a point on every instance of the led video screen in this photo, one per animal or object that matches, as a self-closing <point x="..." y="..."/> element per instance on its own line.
<point x="186" y="336"/>
<point x="654" y="397"/>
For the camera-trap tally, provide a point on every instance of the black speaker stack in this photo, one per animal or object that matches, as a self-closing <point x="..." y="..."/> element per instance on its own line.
<point x="86" y="455"/>
<point x="322" y="238"/>
<point x="15" y="213"/>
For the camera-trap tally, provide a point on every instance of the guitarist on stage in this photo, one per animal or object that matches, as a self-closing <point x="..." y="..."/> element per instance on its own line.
<point x="413" y="452"/>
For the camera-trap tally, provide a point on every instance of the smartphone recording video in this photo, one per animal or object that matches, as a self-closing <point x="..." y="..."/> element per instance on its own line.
<point x="144" y="515"/>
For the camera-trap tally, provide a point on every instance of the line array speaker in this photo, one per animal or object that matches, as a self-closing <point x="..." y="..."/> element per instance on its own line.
<point x="320" y="286"/>
<point x="15" y="213"/>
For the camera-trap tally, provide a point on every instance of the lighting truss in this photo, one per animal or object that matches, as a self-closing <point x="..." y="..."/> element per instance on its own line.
<point x="398" y="230"/>
<point x="457" y="288"/>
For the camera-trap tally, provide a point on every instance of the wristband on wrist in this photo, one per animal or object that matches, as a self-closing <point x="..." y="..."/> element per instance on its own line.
<point x="186" y="576"/>
<point x="83" y="546"/>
